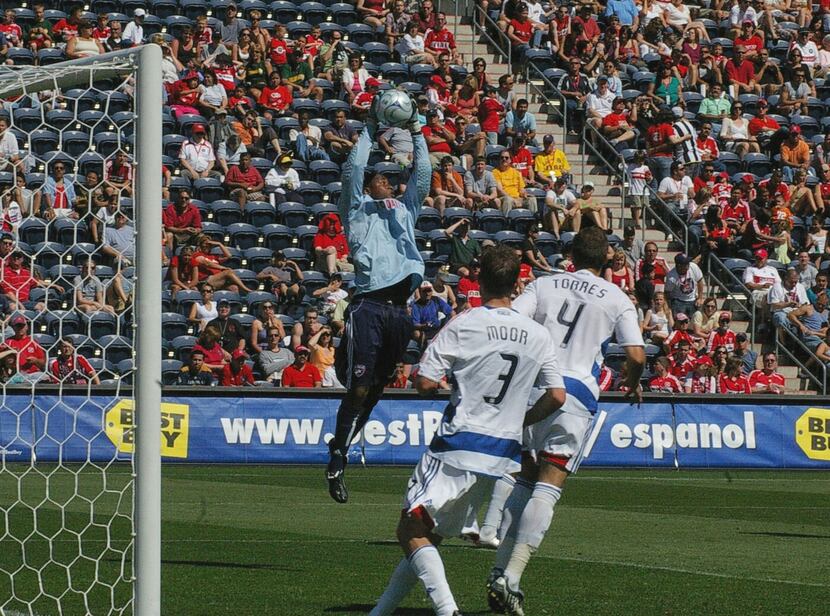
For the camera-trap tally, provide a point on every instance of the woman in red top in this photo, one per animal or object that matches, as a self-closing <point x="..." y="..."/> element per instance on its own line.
<point x="183" y="273"/>
<point x="330" y="247"/>
<point x="480" y="74"/>
<point x="215" y="356"/>
<point x="210" y="269"/>
<point x="619" y="273"/>
<point x="719" y="235"/>
<point x="184" y="93"/>
<point x="731" y="381"/>
<point x="490" y="114"/>
<point x="467" y="99"/>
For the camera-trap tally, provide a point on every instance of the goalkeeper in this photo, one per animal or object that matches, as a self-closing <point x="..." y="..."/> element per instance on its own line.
<point x="380" y="230"/>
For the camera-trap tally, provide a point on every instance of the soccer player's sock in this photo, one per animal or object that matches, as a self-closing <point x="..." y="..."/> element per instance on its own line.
<point x="533" y="525"/>
<point x="492" y="519"/>
<point x="345" y="429"/>
<point x="427" y="565"/>
<point x="402" y="581"/>
<point x="512" y="513"/>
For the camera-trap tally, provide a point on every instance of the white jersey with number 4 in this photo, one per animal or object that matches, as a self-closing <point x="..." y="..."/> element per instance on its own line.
<point x="582" y="312"/>
<point x="493" y="357"/>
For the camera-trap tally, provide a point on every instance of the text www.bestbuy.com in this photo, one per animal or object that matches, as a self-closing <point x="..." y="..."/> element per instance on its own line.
<point x="417" y="429"/>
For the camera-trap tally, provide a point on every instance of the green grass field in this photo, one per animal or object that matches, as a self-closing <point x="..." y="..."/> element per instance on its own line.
<point x="252" y="540"/>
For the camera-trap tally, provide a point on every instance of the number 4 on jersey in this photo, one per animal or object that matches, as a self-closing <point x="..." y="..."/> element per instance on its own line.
<point x="563" y="319"/>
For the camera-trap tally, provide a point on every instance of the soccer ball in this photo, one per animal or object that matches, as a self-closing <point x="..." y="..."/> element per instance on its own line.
<point x="394" y="108"/>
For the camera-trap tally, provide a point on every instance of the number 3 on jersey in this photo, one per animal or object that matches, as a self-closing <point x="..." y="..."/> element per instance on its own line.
<point x="569" y="319"/>
<point x="505" y="377"/>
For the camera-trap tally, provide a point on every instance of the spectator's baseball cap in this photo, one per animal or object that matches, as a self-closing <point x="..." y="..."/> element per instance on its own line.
<point x="804" y="30"/>
<point x="762" y="102"/>
<point x="139" y="13"/>
<point x="748" y="178"/>
<point x="704" y="360"/>
<point x="6" y="236"/>
<point x="426" y="285"/>
<point x="453" y="109"/>
<point x="747" y="22"/>
<point x="18" y="319"/>
<point x="629" y="231"/>
<point x="301" y="349"/>
<point x="725" y="316"/>
<point x="761" y="253"/>
<point x="285" y="159"/>
<point x="439" y="81"/>
<point x="601" y="79"/>
<point x="548" y="139"/>
<point x="432" y="114"/>
<point x="682" y="259"/>
<point x="677" y="112"/>
<point x="795" y="129"/>
<point x="681" y="316"/>
<point x="741" y="337"/>
<point x="475" y="263"/>
<point x="373" y="83"/>
<point x="19" y="253"/>
<point x="191" y="75"/>
<point x="222" y="303"/>
<point x="239" y="354"/>
<point x="588" y="186"/>
<point x="199" y="128"/>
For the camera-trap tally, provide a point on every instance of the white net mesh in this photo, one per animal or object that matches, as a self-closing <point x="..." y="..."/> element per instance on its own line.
<point x="66" y="478"/>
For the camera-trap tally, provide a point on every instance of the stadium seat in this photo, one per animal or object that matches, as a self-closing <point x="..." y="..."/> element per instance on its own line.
<point x="115" y="348"/>
<point x="247" y="276"/>
<point x="60" y="323"/>
<point x="257" y="259"/>
<point x="182" y="346"/>
<point x="28" y="120"/>
<point x="208" y="189"/>
<point x="394" y="72"/>
<point x="520" y="220"/>
<point x="758" y="164"/>
<point x="243" y="235"/>
<point x="245" y="321"/>
<point x="421" y="73"/>
<point x="59" y="119"/>
<point x="343" y="14"/>
<point x="232" y="297"/>
<point x="299" y="256"/>
<point x="330" y="107"/>
<point x="20" y="56"/>
<point x="42" y="141"/>
<point x="185" y="299"/>
<point x="170" y="369"/>
<point x="547" y="243"/>
<point x="52" y="55"/>
<point x="32" y="231"/>
<point x="490" y="220"/>
<point x="98" y="324"/>
<point x="314" y="280"/>
<point x="293" y="214"/>
<point x="428" y="220"/>
<point x="311" y="192"/>
<point x="174" y="325"/>
<point x="172" y="145"/>
<point x="260" y="213"/>
<point x="298" y="29"/>
<point x="75" y="142"/>
<point x="323" y="171"/>
<point x="318" y="210"/>
<point x="226" y="212"/>
<point x="440" y="243"/>
<point x="277" y="237"/>
<point x="256" y="299"/>
<point x="454" y="214"/>
<point x="510" y="238"/>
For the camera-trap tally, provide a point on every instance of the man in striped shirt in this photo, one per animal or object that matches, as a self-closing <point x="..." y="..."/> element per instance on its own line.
<point x="685" y="142"/>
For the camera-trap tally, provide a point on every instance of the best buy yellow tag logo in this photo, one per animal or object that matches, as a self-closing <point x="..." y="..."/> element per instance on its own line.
<point x="175" y="428"/>
<point x="812" y="433"/>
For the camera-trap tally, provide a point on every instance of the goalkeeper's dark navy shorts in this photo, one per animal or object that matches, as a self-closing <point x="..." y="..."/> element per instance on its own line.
<point x="376" y="337"/>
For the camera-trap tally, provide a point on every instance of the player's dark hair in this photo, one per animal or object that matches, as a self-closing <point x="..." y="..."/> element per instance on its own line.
<point x="499" y="271"/>
<point x="590" y="249"/>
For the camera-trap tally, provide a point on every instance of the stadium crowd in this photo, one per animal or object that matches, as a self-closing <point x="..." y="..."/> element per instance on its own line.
<point x="716" y="109"/>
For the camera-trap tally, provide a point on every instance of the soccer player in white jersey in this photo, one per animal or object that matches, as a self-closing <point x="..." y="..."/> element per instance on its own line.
<point x="493" y="356"/>
<point x="582" y="312"/>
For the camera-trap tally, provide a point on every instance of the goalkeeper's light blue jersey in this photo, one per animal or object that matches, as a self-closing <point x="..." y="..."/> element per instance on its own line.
<point x="381" y="233"/>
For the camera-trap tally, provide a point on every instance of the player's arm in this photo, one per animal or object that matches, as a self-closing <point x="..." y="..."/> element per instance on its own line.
<point x="417" y="189"/>
<point x="353" y="171"/>
<point x="550" y="378"/>
<point x="630" y="338"/>
<point x="438" y="360"/>
<point x="526" y="303"/>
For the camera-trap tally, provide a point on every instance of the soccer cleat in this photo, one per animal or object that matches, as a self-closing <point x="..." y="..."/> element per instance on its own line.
<point x="495" y="606"/>
<point x="504" y="600"/>
<point x="335" y="476"/>
<point x="487" y="539"/>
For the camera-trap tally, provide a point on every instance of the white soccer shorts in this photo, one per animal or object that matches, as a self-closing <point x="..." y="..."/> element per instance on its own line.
<point x="451" y="496"/>
<point x="561" y="438"/>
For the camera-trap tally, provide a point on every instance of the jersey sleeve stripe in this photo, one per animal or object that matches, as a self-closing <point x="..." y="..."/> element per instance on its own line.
<point x="580" y="392"/>
<point x="478" y="443"/>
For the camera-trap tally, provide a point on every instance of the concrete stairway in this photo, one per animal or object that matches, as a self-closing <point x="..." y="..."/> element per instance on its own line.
<point x="585" y="168"/>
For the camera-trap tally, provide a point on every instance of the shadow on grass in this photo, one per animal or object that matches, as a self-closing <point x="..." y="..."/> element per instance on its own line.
<point x="226" y="565"/>
<point x="785" y="535"/>
<point x="365" y="608"/>
<point x="466" y="545"/>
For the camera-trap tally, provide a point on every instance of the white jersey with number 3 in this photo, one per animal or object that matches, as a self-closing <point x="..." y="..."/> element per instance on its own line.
<point x="493" y="357"/>
<point x="582" y="312"/>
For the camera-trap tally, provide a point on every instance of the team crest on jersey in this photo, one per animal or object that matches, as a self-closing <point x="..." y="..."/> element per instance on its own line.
<point x="359" y="370"/>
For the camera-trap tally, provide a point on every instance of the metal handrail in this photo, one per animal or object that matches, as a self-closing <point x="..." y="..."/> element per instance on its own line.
<point x="479" y="30"/>
<point x="786" y="349"/>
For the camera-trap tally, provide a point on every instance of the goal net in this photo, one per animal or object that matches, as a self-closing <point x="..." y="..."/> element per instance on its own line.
<point x="79" y="476"/>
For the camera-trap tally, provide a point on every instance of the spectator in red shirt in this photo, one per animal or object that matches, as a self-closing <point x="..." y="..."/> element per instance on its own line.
<point x="682" y="361"/>
<point x="331" y="250"/>
<point x="731" y="381"/>
<point x="301" y="373"/>
<point x="661" y="268"/>
<point x="276" y="98"/>
<point x="680" y="332"/>
<point x="71" y="369"/>
<point x="244" y="181"/>
<point x="469" y="287"/>
<point x="522" y="159"/>
<point x="617" y="127"/>
<point x="67" y="27"/>
<point x="590" y="27"/>
<point x="741" y="73"/>
<point x="119" y="173"/>
<point x="709" y="150"/>
<point x="749" y="39"/>
<point x="722" y="336"/>
<point x="439" y="39"/>
<point x="605" y="378"/>
<point x="439" y="137"/>
<point x="701" y="379"/>
<point x="17" y="282"/>
<point x="215" y="355"/>
<point x="664" y="381"/>
<point x="13" y="32"/>
<point x="490" y="114"/>
<point x="763" y="126"/>
<point x="31" y="358"/>
<point x="237" y="373"/>
<point x="660" y="147"/>
<point x="767" y="380"/>
<point x="182" y="221"/>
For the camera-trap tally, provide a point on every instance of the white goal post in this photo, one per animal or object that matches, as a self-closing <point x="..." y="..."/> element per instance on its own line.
<point x="37" y="584"/>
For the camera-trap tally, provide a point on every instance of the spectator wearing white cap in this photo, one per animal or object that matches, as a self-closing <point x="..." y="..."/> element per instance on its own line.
<point x="134" y="31"/>
<point x="588" y="207"/>
<point x="428" y="313"/>
<point x="197" y="157"/>
<point x="599" y="103"/>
